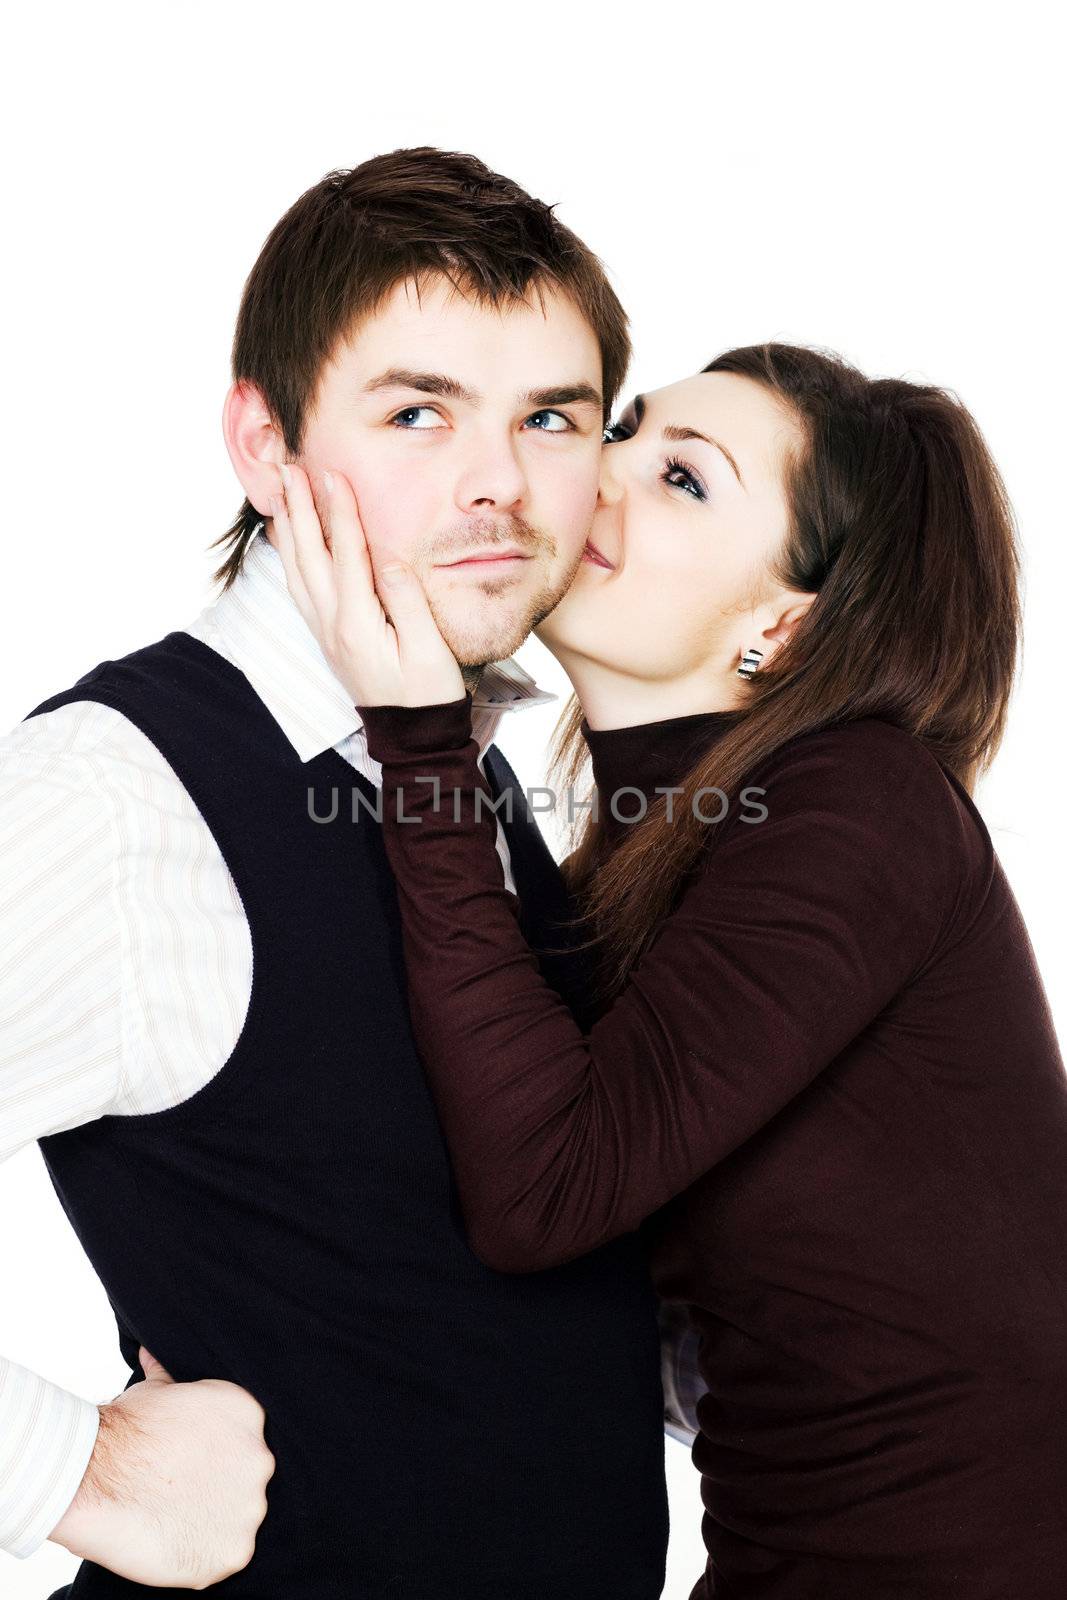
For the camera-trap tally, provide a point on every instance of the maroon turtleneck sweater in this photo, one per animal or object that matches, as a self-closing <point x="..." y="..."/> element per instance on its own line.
<point x="832" y="1096"/>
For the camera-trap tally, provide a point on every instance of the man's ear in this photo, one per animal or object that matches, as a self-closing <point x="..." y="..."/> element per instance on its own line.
<point x="254" y="444"/>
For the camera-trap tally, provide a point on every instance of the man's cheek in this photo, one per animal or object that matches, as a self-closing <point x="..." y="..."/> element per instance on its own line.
<point x="397" y="523"/>
<point x="581" y="495"/>
<point x="572" y="519"/>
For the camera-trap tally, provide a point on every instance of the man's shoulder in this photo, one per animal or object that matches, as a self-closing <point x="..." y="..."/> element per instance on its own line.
<point x="75" y="729"/>
<point x="75" y="740"/>
<point x="99" y="707"/>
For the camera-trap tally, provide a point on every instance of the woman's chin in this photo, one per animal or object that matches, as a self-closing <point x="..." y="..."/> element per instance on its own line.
<point x="566" y="639"/>
<point x="546" y="637"/>
<point x="585" y="625"/>
<point x="556" y="631"/>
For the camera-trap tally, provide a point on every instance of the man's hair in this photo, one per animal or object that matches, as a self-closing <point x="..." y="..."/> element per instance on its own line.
<point x="339" y="251"/>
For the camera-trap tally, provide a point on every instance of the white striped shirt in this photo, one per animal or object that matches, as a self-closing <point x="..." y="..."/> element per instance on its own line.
<point x="125" y="957"/>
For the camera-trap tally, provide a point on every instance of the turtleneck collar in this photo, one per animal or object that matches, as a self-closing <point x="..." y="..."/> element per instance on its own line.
<point x="648" y="756"/>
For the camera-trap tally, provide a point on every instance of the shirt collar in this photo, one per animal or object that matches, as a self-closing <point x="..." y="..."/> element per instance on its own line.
<point x="256" y="624"/>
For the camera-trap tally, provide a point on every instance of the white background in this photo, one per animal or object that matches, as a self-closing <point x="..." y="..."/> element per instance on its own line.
<point x="884" y="181"/>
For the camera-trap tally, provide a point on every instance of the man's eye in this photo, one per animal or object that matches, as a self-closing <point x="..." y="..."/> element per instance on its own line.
<point x="565" y="423"/>
<point x="404" y="419"/>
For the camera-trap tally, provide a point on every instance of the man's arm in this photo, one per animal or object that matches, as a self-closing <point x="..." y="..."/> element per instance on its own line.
<point x="47" y="1439"/>
<point x="683" y="1382"/>
<point x="60" y="967"/>
<point x="166" y="1484"/>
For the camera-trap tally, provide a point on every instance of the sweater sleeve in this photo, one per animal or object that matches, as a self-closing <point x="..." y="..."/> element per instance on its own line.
<point x="797" y="932"/>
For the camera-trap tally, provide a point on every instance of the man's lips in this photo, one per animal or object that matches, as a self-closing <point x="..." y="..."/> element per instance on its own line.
<point x="482" y="558"/>
<point x="591" y="553"/>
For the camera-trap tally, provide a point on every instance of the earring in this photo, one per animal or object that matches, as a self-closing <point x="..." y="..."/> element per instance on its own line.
<point x="750" y="663"/>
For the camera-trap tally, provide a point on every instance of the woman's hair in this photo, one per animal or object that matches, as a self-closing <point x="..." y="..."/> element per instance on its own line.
<point x="341" y="248"/>
<point x="900" y="525"/>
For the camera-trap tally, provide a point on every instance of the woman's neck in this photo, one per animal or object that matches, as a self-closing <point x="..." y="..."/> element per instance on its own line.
<point x="633" y="765"/>
<point x="610" y="699"/>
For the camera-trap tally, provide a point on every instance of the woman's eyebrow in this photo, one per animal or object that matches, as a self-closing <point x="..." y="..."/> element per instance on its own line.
<point x="679" y="435"/>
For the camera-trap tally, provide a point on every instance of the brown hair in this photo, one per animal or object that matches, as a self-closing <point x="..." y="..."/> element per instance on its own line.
<point x="338" y="252"/>
<point x="900" y="524"/>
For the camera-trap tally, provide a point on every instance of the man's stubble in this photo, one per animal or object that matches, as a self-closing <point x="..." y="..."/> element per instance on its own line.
<point x="497" y="638"/>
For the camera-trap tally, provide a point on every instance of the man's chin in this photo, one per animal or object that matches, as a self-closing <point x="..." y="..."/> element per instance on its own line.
<point x="486" y="634"/>
<point x="473" y="652"/>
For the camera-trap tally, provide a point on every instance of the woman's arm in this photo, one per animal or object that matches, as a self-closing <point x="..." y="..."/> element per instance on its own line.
<point x="800" y="931"/>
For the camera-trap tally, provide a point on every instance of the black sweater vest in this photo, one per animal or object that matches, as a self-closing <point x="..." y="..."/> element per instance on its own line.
<point x="440" y="1429"/>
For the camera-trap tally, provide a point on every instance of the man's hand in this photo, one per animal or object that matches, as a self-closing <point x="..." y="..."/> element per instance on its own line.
<point x="176" y="1488"/>
<point x="386" y="651"/>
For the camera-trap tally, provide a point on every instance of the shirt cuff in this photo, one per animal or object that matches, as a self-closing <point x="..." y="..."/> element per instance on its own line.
<point x="396" y="732"/>
<point x="47" y="1438"/>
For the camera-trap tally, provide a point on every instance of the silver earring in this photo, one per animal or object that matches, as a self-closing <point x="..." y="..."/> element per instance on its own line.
<point x="750" y="663"/>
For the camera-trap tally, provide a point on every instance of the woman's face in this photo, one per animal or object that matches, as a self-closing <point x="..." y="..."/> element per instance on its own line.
<point x="674" y="583"/>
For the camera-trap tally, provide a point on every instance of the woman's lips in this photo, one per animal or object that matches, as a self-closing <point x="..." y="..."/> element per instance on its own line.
<point x="592" y="554"/>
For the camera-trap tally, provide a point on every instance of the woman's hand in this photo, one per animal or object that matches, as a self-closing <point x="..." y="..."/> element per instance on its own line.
<point x="384" y="647"/>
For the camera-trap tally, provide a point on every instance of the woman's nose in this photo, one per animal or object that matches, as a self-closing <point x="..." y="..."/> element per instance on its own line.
<point x="611" y="489"/>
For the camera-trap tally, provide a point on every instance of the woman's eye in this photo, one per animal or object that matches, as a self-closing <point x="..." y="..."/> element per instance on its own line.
<point x="403" y="418"/>
<point x="690" y="483"/>
<point x="557" y="416"/>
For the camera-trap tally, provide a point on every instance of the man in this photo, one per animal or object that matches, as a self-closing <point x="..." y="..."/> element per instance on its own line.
<point x="330" y="1395"/>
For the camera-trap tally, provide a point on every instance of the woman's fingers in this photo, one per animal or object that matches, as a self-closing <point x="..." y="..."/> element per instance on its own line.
<point x="385" y="647"/>
<point x="429" y="671"/>
<point x="287" y="550"/>
<point x="353" y="570"/>
<point x="313" y="560"/>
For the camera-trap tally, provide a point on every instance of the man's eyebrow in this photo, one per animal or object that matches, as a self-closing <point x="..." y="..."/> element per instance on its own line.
<point x="425" y="382"/>
<point x="679" y="435"/>
<point x="568" y="394"/>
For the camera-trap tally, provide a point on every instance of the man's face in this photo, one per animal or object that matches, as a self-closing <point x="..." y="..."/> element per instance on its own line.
<point x="468" y="430"/>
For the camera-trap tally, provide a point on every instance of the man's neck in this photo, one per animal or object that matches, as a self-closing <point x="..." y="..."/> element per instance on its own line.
<point x="472" y="677"/>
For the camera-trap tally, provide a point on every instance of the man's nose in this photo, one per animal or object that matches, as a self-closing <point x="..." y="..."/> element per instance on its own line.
<point x="493" y="479"/>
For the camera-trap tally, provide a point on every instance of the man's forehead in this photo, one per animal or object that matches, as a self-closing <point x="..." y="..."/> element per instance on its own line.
<point x="433" y="295"/>
<point x="439" y="326"/>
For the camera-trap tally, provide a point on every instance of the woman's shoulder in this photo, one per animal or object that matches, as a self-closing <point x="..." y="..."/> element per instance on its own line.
<point x="875" y="754"/>
<point x="858" y="818"/>
<point x="884" y="785"/>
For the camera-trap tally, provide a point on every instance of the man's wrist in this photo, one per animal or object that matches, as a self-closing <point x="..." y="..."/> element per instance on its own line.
<point x="40" y="1471"/>
<point x="106" y="1480"/>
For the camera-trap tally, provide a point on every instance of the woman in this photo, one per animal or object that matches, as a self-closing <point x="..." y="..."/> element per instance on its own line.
<point x="819" y="1067"/>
